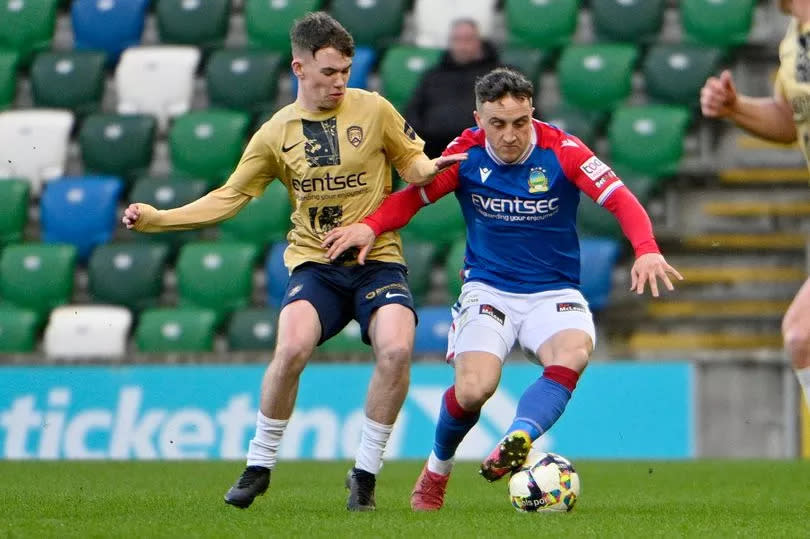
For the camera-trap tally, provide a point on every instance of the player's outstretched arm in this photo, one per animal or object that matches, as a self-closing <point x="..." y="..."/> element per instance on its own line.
<point x="648" y="268"/>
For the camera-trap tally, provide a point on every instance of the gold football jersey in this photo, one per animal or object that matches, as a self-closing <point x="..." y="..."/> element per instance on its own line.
<point x="793" y="79"/>
<point x="336" y="166"/>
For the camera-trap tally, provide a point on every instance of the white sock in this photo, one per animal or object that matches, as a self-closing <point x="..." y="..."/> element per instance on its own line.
<point x="439" y="466"/>
<point x="804" y="379"/>
<point x="372" y="444"/>
<point x="263" y="449"/>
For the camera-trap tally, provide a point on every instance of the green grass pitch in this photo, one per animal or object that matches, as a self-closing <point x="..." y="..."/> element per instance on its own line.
<point x="307" y="499"/>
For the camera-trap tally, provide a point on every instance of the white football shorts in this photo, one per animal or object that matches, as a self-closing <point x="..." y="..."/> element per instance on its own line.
<point x="486" y="319"/>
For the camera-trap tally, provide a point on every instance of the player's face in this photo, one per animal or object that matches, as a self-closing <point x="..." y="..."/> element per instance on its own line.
<point x="507" y="124"/>
<point x="322" y="77"/>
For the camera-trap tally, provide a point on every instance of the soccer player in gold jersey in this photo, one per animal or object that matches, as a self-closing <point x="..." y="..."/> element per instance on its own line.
<point x="333" y="149"/>
<point x="783" y="117"/>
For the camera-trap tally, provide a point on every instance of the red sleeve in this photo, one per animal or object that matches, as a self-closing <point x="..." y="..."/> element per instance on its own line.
<point x="633" y="219"/>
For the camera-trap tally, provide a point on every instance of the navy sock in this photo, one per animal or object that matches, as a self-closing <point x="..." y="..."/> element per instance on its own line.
<point x="453" y="425"/>
<point x="543" y="402"/>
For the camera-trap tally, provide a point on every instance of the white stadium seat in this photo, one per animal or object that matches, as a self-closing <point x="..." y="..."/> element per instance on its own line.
<point x="157" y="81"/>
<point x="87" y="331"/>
<point x="34" y="144"/>
<point x="432" y="19"/>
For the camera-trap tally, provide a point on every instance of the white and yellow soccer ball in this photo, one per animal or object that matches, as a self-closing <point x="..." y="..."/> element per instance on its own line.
<point x="546" y="482"/>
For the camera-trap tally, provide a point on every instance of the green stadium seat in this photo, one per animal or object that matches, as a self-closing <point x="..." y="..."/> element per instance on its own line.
<point x="268" y="23"/>
<point x="546" y="25"/>
<point x="420" y="257"/>
<point x="18" y="330"/>
<point x="597" y="77"/>
<point x="401" y="70"/>
<point x="620" y="20"/>
<point x="527" y="60"/>
<point x="216" y="276"/>
<point x="453" y="267"/>
<point x="265" y="220"/>
<point x="721" y="24"/>
<point x="37" y="276"/>
<point x="176" y="330"/>
<point x="164" y="194"/>
<point x="252" y="329"/>
<point x="348" y="341"/>
<point x="8" y="77"/>
<point x="376" y="24"/>
<point x="207" y="144"/>
<point x="14" y="198"/>
<point x="204" y="24"/>
<point x="27" y="26"/>
<point x="583" y="124"/>
<point x="120" y="145"/>
<point x="243" y="79"/>
<point x="129" y="274"/>
<point x="440" y="223"/>
<point x="675" y="73"/>
<point x="68" y="80"/>
<point x="648" y="139"/>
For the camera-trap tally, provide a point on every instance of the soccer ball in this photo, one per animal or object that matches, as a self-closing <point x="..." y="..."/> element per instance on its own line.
<point x="545" y="483"/>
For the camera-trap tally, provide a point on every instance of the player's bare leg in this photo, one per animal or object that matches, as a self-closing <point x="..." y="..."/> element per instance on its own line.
<point x="796" y="334"/>
<point x="299" y="330"/>
<point x="391" y="331"/>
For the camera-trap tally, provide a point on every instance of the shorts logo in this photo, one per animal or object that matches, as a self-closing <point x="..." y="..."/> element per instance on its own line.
<point x="389" y="287"/>
<point x="355" y="135"/>
<point x="569" y="307"/>
<point x="538" y="183"/>
<point x="294" y="290"/>
<point x="594" y="168"/>
<point x="489" y="310"/>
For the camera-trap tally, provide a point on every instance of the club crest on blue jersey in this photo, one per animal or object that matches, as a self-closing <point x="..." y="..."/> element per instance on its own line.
<point x="538" y="183"/>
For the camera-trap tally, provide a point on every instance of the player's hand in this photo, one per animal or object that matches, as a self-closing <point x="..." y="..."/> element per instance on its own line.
<point x="131" y="216"/>
<point x="718" y="96"/>
<point x="648" y="268"/>
<point x="345" y="237"/>
<point x="446" y="161"/>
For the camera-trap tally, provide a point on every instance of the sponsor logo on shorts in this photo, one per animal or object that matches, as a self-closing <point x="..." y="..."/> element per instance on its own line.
<point x="294" y="290"/>
<point x="393" y="286"/>
<point x="569" y="307"/>
<point x="489" y="310"/>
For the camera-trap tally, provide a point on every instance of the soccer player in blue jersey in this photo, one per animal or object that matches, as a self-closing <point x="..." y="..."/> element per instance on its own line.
<point x="519" y="190"/>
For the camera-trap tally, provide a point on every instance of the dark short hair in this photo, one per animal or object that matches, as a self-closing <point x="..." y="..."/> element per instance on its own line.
<point x="319" y="30"/>
<point x="501" y="82"/>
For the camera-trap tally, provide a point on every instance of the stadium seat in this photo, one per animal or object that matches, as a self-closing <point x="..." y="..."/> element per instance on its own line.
<point x="164" y="194"/>
<point x="348" y="341"/>
<point x="108" y="25"/>
<point x="431" y="332"/>
<point x="630" y="21"/>
<point x="169" y="330"/>
<point x="252" y="329"/>
<point x="387" y="16"/>
<point x="156" y="80"/>
<point x="597" y="258"/>
<point x="27" y="26"/>
<point x="8" y="77"/>
<point x="120" y="145"/>
<point x="193" y="22"/>
<point x="432" y="19"/>
<point x="720" y="24"/>
<point x="14" y="195"/>
<point x="362" y="64"/>
<point x="207" y="144"/>
<point x="268" y="22"/>
<point x="276" y="274"/>
<point x="216" y="276"/>
<point x="81" y="211"/>
<point x="243" y="79"/>
<point x="675" y="73"/>
<point x="87" y="332"/>
<point x="265" y="220"/>
<point x="547" y="24"/>
<point x="401" y="70"/>
<point x="68" y="80"/>
<point x="583" y="124"/>
<point x="453" y="267"/>
<point x="129" y="274"/>
<point x="420" y="257"/>
<point x="18" y="330"/>
<point x="648" y="139"/>
<point x="440" y="223"/>
<point x="35" y="144"/>
<point x="36" y="276"/>
<point x="597" y="77"/>
<point x="527" y="60"/>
